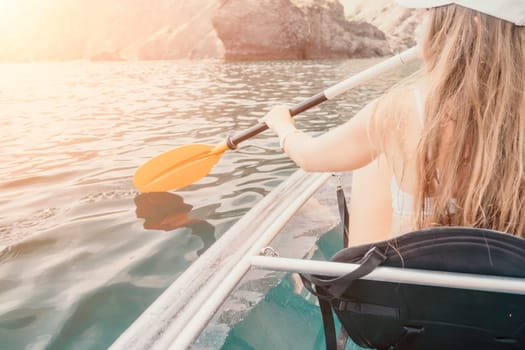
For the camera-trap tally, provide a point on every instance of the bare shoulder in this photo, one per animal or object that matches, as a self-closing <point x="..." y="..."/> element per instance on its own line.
<point x="399" y="101"/>
<point x="394" y="117"/>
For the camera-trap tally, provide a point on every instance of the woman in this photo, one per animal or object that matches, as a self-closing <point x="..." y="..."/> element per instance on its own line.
<point x="446" y="149"/>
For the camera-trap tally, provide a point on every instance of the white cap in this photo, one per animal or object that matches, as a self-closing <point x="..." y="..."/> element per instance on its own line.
<point x="508" y="10"/>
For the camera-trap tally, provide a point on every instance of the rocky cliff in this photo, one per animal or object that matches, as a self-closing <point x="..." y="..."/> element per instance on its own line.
<point x="280" y="29"/>
<point x="191" y="36"/>
<point x="173" y="29"/>
<point x="396" y="22"/>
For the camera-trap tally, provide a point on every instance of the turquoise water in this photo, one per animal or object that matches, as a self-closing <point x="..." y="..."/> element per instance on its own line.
<point x="290" y="319"/>
<point x="286" y="317"/>
<point x="82" y="253"/>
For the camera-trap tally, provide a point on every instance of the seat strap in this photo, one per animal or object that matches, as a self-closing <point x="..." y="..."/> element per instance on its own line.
<point x="372" y="259"/>
<point x="327" y="288"/>
<point x="343" y="212"/>
<point x="338" y="285"/>
<point x="328" y="319"/>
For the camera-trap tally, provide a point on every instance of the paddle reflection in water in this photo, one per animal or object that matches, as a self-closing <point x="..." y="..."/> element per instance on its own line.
<point x="167" y="211"/>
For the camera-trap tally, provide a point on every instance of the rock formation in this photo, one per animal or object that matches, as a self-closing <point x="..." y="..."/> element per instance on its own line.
<point x="398" y="23"/>
<point x="190" y="37"/>
<point x="177" y="29"/>
<point x="280" y="29"/>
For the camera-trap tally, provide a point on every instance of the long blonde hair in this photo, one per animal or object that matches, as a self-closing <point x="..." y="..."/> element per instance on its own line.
<point x="476" y="64"/>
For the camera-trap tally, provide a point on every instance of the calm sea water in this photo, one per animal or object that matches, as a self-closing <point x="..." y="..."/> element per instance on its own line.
<point x="82" y="253"/>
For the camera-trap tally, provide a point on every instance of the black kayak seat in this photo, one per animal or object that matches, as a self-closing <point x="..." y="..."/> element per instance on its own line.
<point x="388" y="315"/>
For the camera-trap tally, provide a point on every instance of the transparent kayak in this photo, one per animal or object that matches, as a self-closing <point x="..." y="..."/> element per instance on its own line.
<point x="291" y="219"/>
<point x="244" y="291"/>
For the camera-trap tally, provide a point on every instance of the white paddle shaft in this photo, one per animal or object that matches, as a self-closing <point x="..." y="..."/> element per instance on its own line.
<point x="364" y="76"/>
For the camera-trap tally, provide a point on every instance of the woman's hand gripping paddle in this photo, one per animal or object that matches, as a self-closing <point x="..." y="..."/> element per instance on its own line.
<point x="184" y="165"/>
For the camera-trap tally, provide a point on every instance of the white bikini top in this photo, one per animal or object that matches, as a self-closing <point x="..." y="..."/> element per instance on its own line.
<point x="403" y="202"/>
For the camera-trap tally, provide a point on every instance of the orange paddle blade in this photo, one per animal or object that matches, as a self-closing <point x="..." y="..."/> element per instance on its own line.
<point x="177" y="168"/>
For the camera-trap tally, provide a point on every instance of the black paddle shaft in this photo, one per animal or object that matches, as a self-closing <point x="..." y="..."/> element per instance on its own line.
<point x="313" y="101"/>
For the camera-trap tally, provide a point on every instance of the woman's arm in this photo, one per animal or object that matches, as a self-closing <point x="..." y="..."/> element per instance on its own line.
<point x="343" y="148"/>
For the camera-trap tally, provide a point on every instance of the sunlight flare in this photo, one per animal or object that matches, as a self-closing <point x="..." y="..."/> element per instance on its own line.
<point x="8" y="10"/>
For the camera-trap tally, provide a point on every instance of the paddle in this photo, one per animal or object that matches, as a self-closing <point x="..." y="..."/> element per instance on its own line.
<point x="186" y="164"/>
